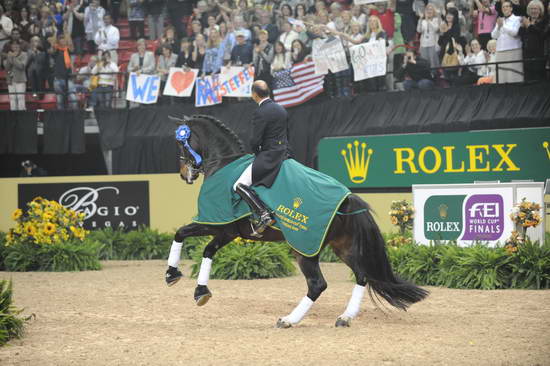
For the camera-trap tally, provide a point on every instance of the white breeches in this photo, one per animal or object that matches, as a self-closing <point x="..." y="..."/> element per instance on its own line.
<point x="245" y="178"/>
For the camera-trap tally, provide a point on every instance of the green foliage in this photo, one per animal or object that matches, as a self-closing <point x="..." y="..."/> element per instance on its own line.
<point x="67" y="256"/>
<point x="2" y="249"/>
<point x="474" y="267"/>
<point x="247" y="260"/>
<point x="11" y="325"/>
<point x="112" y="240"/>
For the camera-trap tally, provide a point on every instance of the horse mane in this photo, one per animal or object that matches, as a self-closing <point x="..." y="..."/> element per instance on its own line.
<point x="221" y="126"/>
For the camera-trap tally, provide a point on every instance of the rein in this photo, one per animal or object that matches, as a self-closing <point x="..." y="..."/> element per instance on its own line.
<point x="357" y="212"/>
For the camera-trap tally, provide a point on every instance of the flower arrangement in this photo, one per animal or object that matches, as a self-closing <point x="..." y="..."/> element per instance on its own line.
<point x="526" y="214"/>
<point x="46" y="223"/>
<point x="402" y="215"/>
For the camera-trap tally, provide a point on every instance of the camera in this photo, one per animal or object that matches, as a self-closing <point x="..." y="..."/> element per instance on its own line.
<point x="28" y="164"/>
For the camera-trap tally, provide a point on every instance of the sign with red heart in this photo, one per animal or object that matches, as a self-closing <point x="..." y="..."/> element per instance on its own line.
<point x="180" y="82"/>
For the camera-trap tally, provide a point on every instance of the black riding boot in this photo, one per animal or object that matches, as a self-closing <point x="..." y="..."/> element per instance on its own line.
<point x="257" y="207"/>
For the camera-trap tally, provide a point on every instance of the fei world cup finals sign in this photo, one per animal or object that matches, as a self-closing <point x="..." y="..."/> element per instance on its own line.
<point x="437" y="158"/>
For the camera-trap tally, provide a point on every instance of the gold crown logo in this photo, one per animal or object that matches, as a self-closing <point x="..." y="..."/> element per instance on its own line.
<point x="545" y="145"/>
<point x="356" y="164"/>
<point x="297" y="202"/>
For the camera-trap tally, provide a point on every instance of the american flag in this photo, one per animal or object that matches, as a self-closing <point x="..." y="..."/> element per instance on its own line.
<point x="303" y="85"/>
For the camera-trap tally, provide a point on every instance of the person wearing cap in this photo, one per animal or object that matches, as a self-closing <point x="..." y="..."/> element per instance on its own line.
<point x="242" y="52"/>
<point x="270" y="144"/>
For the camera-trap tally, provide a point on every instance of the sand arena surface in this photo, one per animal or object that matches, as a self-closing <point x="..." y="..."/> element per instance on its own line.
<point x="126" y="315"/>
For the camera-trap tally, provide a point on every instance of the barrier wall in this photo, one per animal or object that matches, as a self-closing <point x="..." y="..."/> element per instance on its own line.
<point x="172" y="202"/>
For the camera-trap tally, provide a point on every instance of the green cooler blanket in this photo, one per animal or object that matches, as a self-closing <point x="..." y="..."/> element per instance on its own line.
<point x="303" y="200"/>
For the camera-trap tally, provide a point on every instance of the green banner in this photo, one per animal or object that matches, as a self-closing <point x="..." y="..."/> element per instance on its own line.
<point x="437" y="158"/>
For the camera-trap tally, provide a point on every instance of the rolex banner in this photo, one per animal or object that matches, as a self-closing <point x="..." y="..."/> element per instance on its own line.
<point x="469" y="213"/>
<point x="436" y="158"/>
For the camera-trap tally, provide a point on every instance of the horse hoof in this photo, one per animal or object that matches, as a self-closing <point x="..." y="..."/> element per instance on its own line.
<point x="202" y="295"/>
<point x="343" y="322"/>
<point x="281" y="324"/>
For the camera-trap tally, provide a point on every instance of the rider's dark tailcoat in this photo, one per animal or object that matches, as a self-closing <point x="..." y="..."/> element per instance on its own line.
<point x="269" y="142"/>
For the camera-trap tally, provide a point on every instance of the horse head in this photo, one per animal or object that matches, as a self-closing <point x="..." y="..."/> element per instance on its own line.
<point x="191" y="160"/>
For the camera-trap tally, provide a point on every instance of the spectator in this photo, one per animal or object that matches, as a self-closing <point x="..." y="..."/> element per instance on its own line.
<point x="63" y="85"/>
<point x="288" y="35"/>
<point x="428" y="27"/>
<point x="196" y="28"/>
<point x="265" y="24"/>
<point x="242" y="52"/>
<point x="262" y="58"/>
<point x="15" y="63"/>
<point x="213" y="58"/>
<point x="33" y="14"/>
<point x="169" y="38"/>
<point x="335" y="17"/>
<point x="136" y="18"/>
<point x="228" y="40"/>
<point x="106" y="70"/>
<point x="211" y="25"/>
<point x="185" y="57"/>
<point x="486" y="16"/>
<point x="300" y="11"/>
<point x="386" y="19"/>
<point x="37" y="66"/>
<point x="166" y="60"/>
<point x="6" y="27"/>
<point x="114" y="9"/>
<point x="24" y="24"/>
<point x="506" y="32"/>
<point x="518" y="8"/>
<point x="143" y="61"/>
<point x="282" y="17"/>
<point x="280" y="66"/>
<point x="299" y="52"/>
<point x="57" y="15"/>
<point x="240" y="26"/>
<point x="74" y="25"/>
<point x="199" y="52"/>
<point x="177" y="9"/>
<point x="93" y="22"/>
<point x="44" y="28"/>
<point x="449" y="30"/>
<point x="15" y="38"/>
<point x="533" y="35"/>
<point x="474" y="55"/>
<point x="408" y="20"/>
<point x="107" y="38"/>
<point x="85" y="80"/>
<point x="490" y="70"/>
<point x="154" y="9"/>
<point x="416" y="72"/>
<point x="359" y="17"/>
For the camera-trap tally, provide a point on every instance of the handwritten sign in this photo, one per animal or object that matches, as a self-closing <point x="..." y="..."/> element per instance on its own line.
<point x="329" y="54"/>
<point x="180" y="82"/>
<point x="236" y="81"/>
<point x="207" y="91"/>
<point x="143" y="88"/>
<point x="368" y="59"/>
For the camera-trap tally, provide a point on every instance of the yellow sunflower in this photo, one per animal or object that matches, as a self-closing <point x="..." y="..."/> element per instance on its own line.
<point x="16" y="214"/>
<point x="49" y="229"/>
<point x="405" y="218"/>
<point x="30" y="229"/>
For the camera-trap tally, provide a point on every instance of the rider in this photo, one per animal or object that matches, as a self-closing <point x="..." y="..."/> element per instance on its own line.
<point x="270" y="144"/>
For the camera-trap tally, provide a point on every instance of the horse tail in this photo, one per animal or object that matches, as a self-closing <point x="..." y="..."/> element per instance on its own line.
<point x="371" y="260"/>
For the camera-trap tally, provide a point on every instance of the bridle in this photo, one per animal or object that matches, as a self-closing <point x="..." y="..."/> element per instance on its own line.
<point x="195" y="163"/>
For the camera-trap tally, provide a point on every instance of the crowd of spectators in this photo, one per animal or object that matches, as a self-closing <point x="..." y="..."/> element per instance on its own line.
<point x="43" y="43"/>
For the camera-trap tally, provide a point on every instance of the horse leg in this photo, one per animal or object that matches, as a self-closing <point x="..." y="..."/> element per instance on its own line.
<point x="202" y="293"/>
<point x="173" y="274"/>
<point x="316" y="284"/>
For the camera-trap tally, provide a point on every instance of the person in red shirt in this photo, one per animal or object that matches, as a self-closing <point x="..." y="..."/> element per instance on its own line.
<point x="386" y="18"/>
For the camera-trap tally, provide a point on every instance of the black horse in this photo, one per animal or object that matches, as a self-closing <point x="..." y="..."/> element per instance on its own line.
<point x="355" y="238"/>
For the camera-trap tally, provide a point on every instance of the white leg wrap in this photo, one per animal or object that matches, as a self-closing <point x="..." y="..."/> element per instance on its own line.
<point x="175" y="253"/>
<point x="355" y="302"/>
<point x="299" y="311"/>
<point x="204" y="273"/>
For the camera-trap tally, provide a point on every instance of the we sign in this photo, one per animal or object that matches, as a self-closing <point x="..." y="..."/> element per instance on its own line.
<point x="143" y="88"/>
